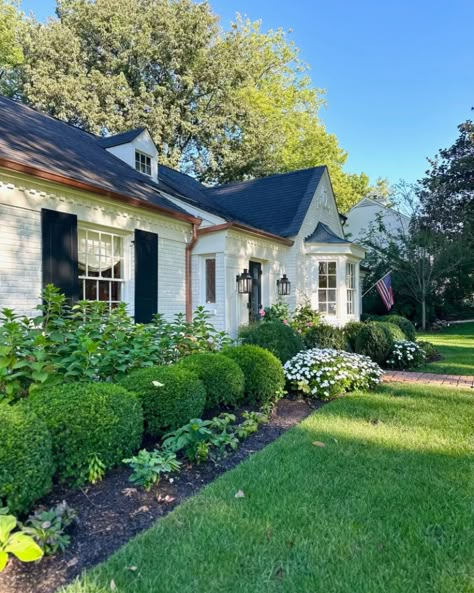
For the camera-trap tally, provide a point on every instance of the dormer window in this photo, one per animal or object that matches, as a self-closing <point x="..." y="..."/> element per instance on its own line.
<point x="143" y="163"/>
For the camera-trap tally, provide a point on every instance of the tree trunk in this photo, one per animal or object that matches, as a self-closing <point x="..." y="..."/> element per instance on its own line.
<point x="423" y="314"/>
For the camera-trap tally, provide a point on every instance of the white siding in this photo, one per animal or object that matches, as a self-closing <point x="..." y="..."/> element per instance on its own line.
<point x="366" y="212"/>
<point x="21" y="201"/>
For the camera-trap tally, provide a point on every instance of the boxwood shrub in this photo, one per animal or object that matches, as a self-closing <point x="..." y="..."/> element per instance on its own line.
<point x="325" y="336"/>
<point x="263" y="372"/>
<point x="222" y="377"/>
<point x="280" y="339"/>
<point x="26" y="459"/>
<point x="404" y="324"/>
<point x="87" y="420"/>
<point x="374" y="341"/>
<point x="394" y="333"/>
<point x="351" y="331"/>
<point x="171" y="396"/>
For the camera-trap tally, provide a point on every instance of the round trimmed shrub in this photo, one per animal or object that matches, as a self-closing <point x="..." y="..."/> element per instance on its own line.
<point x="222" y="377"/>
<point x="87" y="420"/>
<point x="404" y="324"/>
<point x="373" y="341"/>
<point x="394" y="333"/>
<point x="275" y="336"/>
<point x="263" y="372"/>
<point x="171" y="396"/>
<point x="325" y="336"/>
<point x="351" y="331"/>
<point x="26" y="459"/>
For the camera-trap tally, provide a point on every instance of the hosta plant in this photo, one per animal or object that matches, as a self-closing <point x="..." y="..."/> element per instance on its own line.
<point x="406" y="355"/>
<point x="149" y="466"/>
<point x="326" y="373"/>
<point x="15" y="542"/>
<point x="48" y="527"/>
<point x="250" y="424"/>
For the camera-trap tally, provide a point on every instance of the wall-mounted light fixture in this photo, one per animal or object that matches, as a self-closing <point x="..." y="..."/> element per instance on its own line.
<point x="244" y="282"/>
<point x="284" y="286"/>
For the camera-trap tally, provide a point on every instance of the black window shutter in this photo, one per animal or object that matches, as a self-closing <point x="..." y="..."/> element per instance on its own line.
<point x="146" y="276"/>
<point x="59" y="252"/>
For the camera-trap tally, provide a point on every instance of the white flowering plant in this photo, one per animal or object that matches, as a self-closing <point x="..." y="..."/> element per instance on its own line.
<point x="406" y="355"/>
<point x="326" y="373"/>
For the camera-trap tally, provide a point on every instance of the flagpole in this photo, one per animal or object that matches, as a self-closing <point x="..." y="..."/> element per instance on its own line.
<point x="375" y="284"/>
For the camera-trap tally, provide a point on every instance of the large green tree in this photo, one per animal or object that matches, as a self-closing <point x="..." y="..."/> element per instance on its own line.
<point x="11" y="53"/>
<point x="221" y="105"/>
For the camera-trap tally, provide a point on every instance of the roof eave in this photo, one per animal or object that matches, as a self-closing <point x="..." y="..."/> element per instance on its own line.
<point x="89" y="187"/>
<point x="246" y="229"/>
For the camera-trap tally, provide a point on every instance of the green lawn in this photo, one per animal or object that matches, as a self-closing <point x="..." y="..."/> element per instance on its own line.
<point x="385" y="507"/>
<point x="456" y="344"/>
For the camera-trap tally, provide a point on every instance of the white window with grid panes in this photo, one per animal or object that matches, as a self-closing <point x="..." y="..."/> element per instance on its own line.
<point x="143" y="162"/>
<point x="351" y="287"/>
<point x="327" y="287"/>
<point x="101" y="266"/>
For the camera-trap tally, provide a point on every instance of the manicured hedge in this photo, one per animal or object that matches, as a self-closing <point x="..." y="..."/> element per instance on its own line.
<point x="26" y="459"/>
<point x="351" y="331"/>
<point x="393" y="332"/>
<point x="171" y="396"/>
<point x="404" y="324"/>
<point x="87" y="420"/>
<point x="373" y="341"/>
<point x="280" y="339"/>
<point x="263" y="372"/>
<point x="222" y="377"/>
<point x="325" y="336"/>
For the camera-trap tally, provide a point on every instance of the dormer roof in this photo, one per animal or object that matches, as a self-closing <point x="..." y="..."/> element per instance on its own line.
<point x="122" y="138"/>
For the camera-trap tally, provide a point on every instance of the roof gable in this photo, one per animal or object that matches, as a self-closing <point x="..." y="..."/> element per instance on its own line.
<point x="323" y="234"/>
<point x="122" y="138"/>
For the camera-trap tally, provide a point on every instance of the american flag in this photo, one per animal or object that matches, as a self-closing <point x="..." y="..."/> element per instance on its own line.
<point x="384" y="288"/>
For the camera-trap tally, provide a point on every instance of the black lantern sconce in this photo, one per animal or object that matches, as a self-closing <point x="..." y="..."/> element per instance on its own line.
<point x="284" y="286"/>
<point x="244" y="282"/>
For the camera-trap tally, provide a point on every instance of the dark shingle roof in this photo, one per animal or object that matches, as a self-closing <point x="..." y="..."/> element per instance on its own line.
<point x="276" y="204"/>
<point x="323" y="234"/>
<point x="121" y="138"/>
<point x="37" y="140"/>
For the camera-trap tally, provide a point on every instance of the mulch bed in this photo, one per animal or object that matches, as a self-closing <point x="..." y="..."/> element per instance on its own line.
<point x="112" y="512"/>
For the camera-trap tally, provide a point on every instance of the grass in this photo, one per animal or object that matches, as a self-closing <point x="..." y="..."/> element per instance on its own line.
<point x="456" y="345"/>
<point x="385" y="506"/>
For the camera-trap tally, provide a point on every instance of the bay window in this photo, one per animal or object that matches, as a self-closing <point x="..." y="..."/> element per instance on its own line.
<point x="101" y="266"/>
<point x="327" y="288"/>
<point x="351" y="288"/>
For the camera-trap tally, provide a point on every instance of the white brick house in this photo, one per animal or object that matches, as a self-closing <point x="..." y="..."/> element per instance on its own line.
<point x="102" y="219"/>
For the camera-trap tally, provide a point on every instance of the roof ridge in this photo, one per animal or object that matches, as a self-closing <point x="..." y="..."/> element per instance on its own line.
<point x="273" y="175"/>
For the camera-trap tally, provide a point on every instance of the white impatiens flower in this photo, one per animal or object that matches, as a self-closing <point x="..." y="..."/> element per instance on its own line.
<point x="157" y="384"/>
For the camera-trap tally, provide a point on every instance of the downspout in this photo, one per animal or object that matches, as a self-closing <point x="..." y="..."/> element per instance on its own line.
<point x="188" y="274"/>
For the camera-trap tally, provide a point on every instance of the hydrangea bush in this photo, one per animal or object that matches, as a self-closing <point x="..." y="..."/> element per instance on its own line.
<point x="406" y="355"/>
<point x="326" y="373"/>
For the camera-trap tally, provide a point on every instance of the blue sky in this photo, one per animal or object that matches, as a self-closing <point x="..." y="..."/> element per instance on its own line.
<point x="399" y="74"/>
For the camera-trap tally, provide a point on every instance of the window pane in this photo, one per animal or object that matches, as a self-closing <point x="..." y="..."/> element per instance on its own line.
<point x="90" y="290"/>
<point x="323" y="281"/>
<point x="322" y="296"/>
<point x="332" y="281"/>
<point x="210" y="280"/>
<point x="104" y="290"/>
<point x="331" y="308"/>
<point x="118" y="269"/>
<point x="332" y="295"/>
<point x="323" y="267"/>
<point x="323" y="308"/>
<point x="332" y="267"/>
<point x="115" y="291"/>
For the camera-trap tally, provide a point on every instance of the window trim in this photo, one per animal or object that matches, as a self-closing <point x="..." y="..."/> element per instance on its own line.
<point x="326" y="290"/>
<point x="214" y="288"/>
<point x="144" y="166"/>
<point x="111" y="280"/>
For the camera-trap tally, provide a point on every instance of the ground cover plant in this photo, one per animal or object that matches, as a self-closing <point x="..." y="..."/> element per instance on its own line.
<point x="456" y="346"/>
<point x="371" y="493"/>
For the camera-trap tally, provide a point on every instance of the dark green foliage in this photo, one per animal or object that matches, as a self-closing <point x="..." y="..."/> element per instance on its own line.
<point x="263" y="372"/>
<point x="373" y="341"/>
<point x="404" y="324"/>
<point x="431" y="352"/>
<point x="87" y="421"/>
<point x="275" y="336"/>
<point x="325" y="336"/>
<point x="351" y="331"/>
<point x="222" y="377"/>
<point x="393" y="332"/>
<point x="26" y="460"/>
<point x="170" y="395"/>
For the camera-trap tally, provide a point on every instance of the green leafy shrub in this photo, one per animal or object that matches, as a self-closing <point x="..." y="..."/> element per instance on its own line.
<point x="304" y="318"/>
<point x="89" y="421"/>
<point x="277" y="312"/>
<point x="222" y="378"/>
<point x="275" y="336"/>
<point x="431" y="352"/>
<point x="327" y="373"/>
<point x="406" y="355"/>
<point x="404" y="324"/>
<point x="19" y="544"/>
<point x="250" y="424"/>
<point x="49" y="528"/>
<point x="325" y="336"/>
<point x="263" y="372"/>
<point x="170" y="395"/>
<point x="351" y="331"/>
<point x="26" y="459"/>
<point x="373" y="341"/>
<point x="148" y="467"/>
<point x="393" y="332"/>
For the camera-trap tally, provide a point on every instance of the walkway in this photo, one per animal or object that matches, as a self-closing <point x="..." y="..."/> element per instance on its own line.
<point x="435" y="379"/>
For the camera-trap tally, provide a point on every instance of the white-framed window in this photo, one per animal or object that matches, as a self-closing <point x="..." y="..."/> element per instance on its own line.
<point x="143" y="162"/>
<point x="101" y="266"/>
<point x="327" y="288"/>
<point x="351" y="287"/>
<point x="210" y="279"/>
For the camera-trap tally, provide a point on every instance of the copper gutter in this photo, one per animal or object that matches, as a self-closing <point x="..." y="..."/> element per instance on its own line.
<point x="188" y="274"/>
<point x="246" y="229"/>
<point x="89" y="187"/>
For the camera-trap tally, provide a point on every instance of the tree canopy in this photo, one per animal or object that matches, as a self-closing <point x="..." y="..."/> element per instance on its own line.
<point x="11" y="53"/>
<point x="221" y="105"/>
